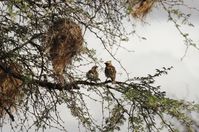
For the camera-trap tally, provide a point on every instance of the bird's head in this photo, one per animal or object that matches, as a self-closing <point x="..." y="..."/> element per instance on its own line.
<point x="94" y="67"/>
<point x="107" y="63"/>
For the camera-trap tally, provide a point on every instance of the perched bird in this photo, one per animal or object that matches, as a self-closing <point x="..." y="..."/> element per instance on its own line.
<point x="93" y="74"/>
<point x="110" y="71"/>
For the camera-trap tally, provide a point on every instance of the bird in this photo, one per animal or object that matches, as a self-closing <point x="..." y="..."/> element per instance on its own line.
<point x="110" y="71"/>
<point x="93" y="74"/>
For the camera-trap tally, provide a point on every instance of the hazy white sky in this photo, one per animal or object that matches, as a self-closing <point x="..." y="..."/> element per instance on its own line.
<point x="164" y="47"/>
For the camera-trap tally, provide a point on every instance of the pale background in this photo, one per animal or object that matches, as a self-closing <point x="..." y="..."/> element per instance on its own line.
<point x="164" y="47"/>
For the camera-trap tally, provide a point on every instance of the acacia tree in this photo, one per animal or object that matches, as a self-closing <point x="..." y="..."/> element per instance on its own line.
<point x="33" y="85"/>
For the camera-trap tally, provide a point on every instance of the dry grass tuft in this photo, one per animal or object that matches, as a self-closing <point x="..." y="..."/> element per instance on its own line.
<point x="63" y="41"/>
<point x="10" y="91"/>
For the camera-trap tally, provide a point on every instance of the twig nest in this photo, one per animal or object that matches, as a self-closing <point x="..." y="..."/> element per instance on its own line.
<point x="10" y="91"/>
<point x="64" y="40"/>
<point x="141" y="8"/>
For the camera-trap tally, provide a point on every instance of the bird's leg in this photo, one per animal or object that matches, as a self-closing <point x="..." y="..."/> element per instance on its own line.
<point x="113" y="82"/>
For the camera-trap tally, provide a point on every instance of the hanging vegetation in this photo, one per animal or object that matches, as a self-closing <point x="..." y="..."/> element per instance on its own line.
<point x="63" y="41"/>
<point x="10" y="92"/>
<point x="141" y="8"/>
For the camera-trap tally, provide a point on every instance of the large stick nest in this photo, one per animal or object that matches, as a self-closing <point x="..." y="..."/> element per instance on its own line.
<point x="10" y="92"/>
<point x="141" y="8"/>
<point x="63" y="41"/>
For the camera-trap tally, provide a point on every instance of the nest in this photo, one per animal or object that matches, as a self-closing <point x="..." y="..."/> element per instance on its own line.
<point x="63" y="41"/>
<point x="10" y="91"/>
<point x="142" y="8"/>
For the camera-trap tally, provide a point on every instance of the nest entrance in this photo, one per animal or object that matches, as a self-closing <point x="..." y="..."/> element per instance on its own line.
<point x="64" y="40"/>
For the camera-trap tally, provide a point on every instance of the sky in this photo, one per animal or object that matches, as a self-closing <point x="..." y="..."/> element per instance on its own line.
<point x="163" y="48"/>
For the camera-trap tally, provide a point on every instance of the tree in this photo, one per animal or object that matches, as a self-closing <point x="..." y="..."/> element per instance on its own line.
<point x="37" y="74"/>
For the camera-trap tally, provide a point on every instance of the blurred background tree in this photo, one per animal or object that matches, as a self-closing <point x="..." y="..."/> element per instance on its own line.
<point x="43" y="48"/>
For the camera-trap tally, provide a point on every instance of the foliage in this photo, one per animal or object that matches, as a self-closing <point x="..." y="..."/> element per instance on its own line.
<point x="136" y="103"/>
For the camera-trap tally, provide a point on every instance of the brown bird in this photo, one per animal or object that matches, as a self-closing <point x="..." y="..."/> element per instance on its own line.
<point x="110" y="71"/>
<point x="93" y="74"/>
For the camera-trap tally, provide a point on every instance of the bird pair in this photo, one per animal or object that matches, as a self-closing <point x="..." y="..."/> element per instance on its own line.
<point x="110" y="72"/>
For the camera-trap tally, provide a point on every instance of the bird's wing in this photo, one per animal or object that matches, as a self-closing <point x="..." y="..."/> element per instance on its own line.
<point x="89" y="74"/>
